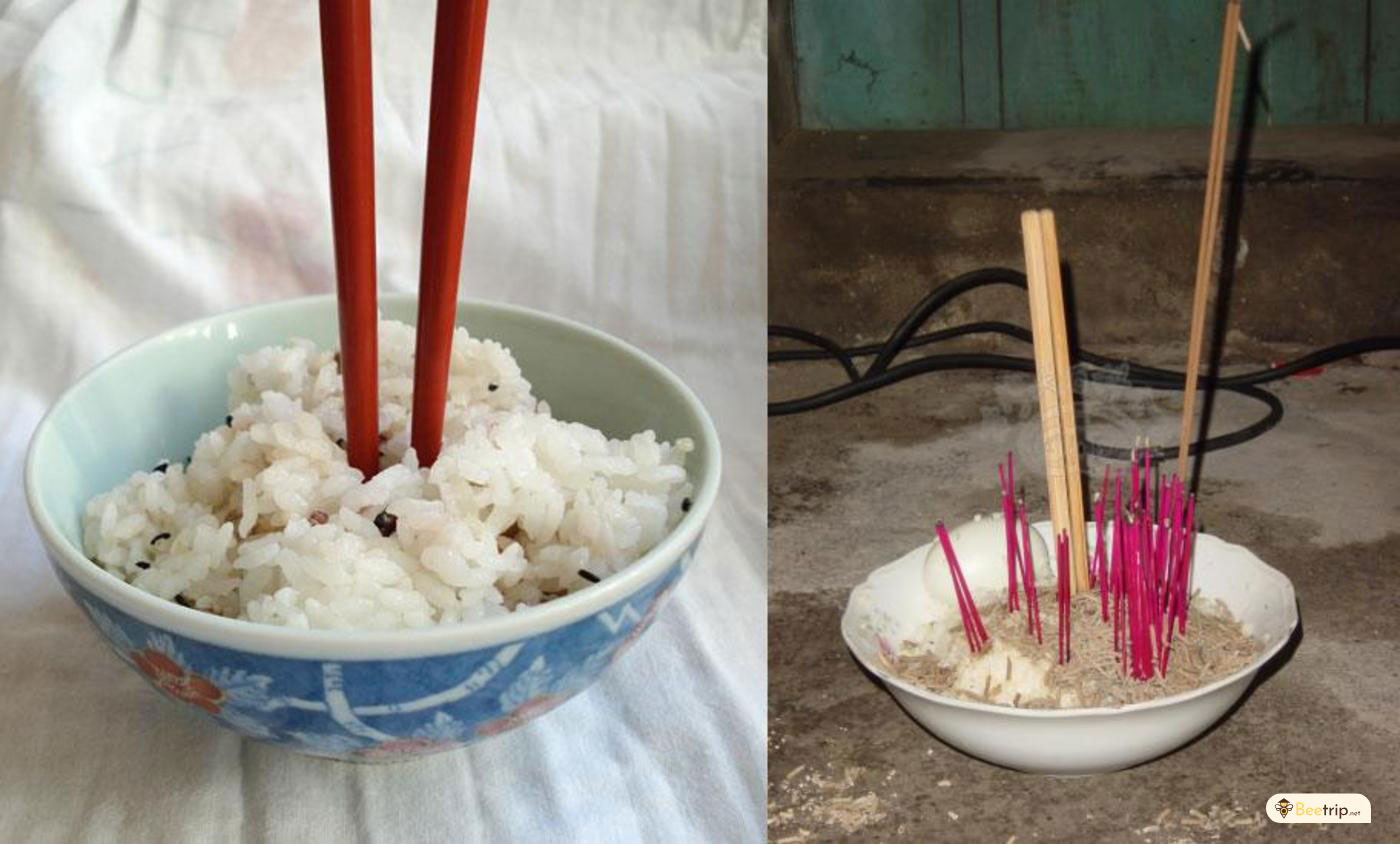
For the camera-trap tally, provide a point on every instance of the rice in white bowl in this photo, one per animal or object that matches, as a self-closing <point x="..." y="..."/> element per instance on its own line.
<point x="270" y="523"/>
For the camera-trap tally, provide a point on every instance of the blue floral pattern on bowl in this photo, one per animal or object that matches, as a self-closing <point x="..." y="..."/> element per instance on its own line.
<point x="381" y="710"/>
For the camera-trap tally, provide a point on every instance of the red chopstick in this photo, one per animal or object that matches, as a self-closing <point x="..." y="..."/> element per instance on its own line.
<point x="458" y="43"/>
<point x="345" y="59"/>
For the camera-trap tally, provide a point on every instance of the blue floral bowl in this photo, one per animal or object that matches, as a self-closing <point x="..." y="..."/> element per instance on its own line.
<point x="357" y="695"/>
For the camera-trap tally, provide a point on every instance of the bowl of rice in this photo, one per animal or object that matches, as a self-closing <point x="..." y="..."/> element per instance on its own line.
<point x="195" y="500"/>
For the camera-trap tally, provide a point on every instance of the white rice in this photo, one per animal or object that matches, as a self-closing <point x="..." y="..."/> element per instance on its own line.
<point x="269" y="522"/>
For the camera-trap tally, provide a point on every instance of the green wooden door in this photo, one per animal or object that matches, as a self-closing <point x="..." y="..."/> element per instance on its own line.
<point x="1031" y="64"/>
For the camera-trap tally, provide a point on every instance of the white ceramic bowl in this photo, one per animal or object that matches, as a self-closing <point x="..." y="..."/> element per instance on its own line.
<point x="894" y="603"/>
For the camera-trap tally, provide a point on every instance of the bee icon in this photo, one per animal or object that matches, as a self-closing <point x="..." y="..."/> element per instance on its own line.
<point x="1283" y="807"/>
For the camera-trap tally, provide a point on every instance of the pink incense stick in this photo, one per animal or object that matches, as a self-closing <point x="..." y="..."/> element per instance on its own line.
<point x="1151" y="616"/>
<point x="1009" y="523"/>
<point x="1062" y="565"/>
<point x="1120" y="596"/>
<point x="1028" y="577"/>
<point x="1144" y="577"/>
<point x="1151" y="602"/>
<point x="1096" y="567"/>
<point x="1011" y="513"/>
<point x="1163" y="488"/>
<point x="1178" y="549"/>
<point x="1173" y="522"/>
<point x="1159" y="554"/>
<point x="1129" y="593"/>
<point x="1059" y="601"/>
<point x="1183" y="576"/>
<point x="976" y="633"/>
<point x="1097" y="560"/>
<point x="1134" y="597"/>
<point x="1133" y="485"/>
<point x="1173" y="572"/>
<point x="1167" y="645"/>
<point x="1118" y="555"/>
<point x="968" y="630"/>
<point x="1146" y="478"/>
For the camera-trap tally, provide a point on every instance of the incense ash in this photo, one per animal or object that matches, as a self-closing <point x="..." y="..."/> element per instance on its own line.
<point x="1017" y="671"/>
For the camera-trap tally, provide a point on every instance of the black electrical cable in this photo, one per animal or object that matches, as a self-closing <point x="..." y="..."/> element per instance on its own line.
<point x="1092" y="367"/>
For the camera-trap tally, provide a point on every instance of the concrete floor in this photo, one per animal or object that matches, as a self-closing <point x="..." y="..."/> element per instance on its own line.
<point x="858" y="484"/>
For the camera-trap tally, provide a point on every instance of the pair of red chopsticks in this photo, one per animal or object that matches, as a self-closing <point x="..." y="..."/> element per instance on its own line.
<point x="458" y="43"/>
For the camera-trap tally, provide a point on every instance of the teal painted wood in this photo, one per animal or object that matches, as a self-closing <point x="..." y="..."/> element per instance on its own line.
<point x="1384" y="95"/>
<point x="980" y="55"/>
<point x="1024" y="64"/>
<point x="894" y="64"/>
<point x="1315" y="62"/>
<point x="1109" y="63"/>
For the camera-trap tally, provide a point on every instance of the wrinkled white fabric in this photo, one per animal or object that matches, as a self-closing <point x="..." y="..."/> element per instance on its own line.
<point x="165" y="159"/>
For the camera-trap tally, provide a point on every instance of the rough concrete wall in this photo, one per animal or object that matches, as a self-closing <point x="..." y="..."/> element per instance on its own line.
<point x="850" y="254"/>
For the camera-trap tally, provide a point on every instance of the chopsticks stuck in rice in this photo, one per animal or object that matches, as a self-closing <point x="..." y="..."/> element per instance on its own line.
<point x="458" y="46"/>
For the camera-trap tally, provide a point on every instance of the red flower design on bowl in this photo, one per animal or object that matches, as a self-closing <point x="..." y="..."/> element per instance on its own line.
<point x="170" y="677"/>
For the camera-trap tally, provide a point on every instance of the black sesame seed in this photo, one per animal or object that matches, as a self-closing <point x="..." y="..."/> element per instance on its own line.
<point x="685" y="505"/>
<point x="588" y="576"/>
<point x="387" y="523"/>
<point x="143" y="565"/>
<point x="161" y="466"/>
<point x="158" y="537"/>
<point x="228" y="420"/>
<point x="493" y="387"/>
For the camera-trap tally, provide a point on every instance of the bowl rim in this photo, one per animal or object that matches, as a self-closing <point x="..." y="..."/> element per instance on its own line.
<point x="848" y="620"/>
<point x="281" y="641"/>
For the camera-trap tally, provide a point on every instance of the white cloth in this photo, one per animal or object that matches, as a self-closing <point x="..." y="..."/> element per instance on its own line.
<point x="165" y="159"/>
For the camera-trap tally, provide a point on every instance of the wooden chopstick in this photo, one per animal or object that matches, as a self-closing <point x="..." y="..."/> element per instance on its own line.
<point x="1210" y="216"/>
<point x="345" y="59"/>
<point x="1069" y="431"/>
<point x="458" y="44"/>
<point x="1046" y="376"/>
